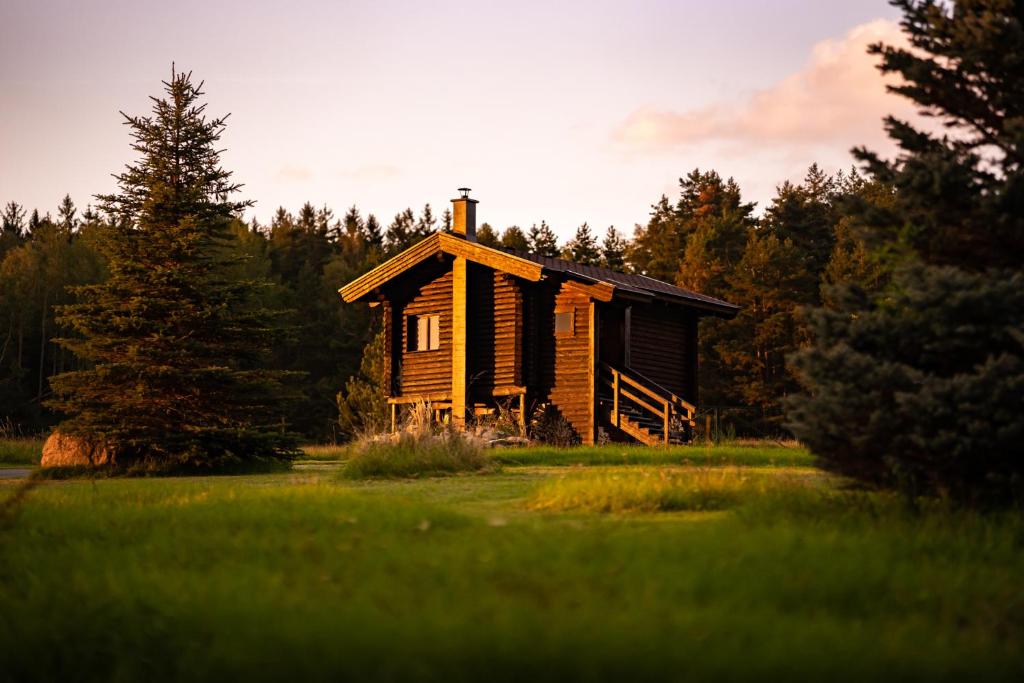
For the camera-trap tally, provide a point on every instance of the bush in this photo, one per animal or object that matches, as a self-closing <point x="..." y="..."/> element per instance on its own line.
<point x="549" y="426"/>
<point x="415" y="454"/>
<point x="921" y="390"/>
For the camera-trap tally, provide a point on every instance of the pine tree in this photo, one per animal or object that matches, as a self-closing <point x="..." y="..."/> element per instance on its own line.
<point x="658" y="247"/>
<point x="373" y="233"/>
<point x="177" y="348"/>
<point x="920" y="385"/>
<point x="613" y="249"/>
<point x="542" y="240"/>
<point x="487" y="236"/>
<point x="806" y="216"/>
<point x="67" y="221"/>
<point x="363" y="405"/>
<point x="12" y="229"/>
<point x="715" y="223"/>
<point x="401" y="234"/>
<point x="582" y="248"/>
<point x="768" y="283"/>
<point x="515" y="238"/>
<point x="426" y="224"/>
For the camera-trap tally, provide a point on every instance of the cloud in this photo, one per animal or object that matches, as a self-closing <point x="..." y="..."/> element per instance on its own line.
<point x="298" y="173"/>
<point x="837" y="98"/>
<point x="372" y="172"/>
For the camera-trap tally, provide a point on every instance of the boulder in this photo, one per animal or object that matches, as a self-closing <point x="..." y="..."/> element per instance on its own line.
<point x="64" y="450"/>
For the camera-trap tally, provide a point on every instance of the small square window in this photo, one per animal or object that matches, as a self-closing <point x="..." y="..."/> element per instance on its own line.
<point x="564" y="323"/>
<point x="423" y="332"/>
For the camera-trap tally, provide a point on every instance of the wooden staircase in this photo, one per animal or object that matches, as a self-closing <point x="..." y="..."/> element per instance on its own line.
<point x="642" y="409"/>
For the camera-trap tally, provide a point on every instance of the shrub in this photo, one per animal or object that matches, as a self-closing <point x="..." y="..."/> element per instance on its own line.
<point x="415" y="454"/>
<point x="922" y="390"/>
<point x="550" y="427"/>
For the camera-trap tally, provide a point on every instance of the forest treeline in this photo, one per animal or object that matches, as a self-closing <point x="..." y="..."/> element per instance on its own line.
<point x="707" y="238"/>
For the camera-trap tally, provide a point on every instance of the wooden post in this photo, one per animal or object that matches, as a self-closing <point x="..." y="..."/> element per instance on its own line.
<point x="707" y="427"/>
<point x="615" y="397"/>
<point x="522" y="413"/>
<point x="667" y="422"/>
<point x="394" y="417"/>
<point x="594" y="354"/>
<point x="460" y="277"/>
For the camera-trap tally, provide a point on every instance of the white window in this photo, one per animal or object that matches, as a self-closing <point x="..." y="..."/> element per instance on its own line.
<point x="424" y="332"/>
<point x="565" y="323"/>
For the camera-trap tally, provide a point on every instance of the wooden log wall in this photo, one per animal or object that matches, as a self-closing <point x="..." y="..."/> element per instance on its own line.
<point x="428" y="372"/>
<point x="508" y="332"/>
<point x="662" y="346"/>
<point x="572" y="390"/>
<point x="495" y="332"/>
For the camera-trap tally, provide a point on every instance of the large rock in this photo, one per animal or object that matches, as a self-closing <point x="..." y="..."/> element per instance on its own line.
<point x="64" y="450"/>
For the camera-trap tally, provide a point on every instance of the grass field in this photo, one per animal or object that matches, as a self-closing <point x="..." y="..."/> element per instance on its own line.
<point x="717" y="564"/>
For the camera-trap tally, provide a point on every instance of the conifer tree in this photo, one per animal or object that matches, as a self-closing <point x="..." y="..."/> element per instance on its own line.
<point x="543" y="240"/>
<point x="487" y="236"/>
<point x="515" y="238"/>
<point x="613" y="249"/>
<point x="920" y="385"/>
<point x="715" y="223"/>
<point x="401" y="234"/>
<point x="12" y="229"/>
<point x="657" y="248"/>
<point x="177" y="347"/>
<point x="363" y="405"/>
<point x="374" y="234"/>
<point x="426" y="224"/>
<point x="67" y="220"/>
<point x="582" y="248"/>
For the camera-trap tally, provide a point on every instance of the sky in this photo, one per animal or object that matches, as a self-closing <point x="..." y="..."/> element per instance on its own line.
<point x="559" y="111"/>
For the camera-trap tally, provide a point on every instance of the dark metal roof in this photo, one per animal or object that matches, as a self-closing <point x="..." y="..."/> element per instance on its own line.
<point x="630" y="282"/>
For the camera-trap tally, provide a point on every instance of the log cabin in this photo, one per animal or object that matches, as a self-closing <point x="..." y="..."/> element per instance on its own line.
<point x="470" y="328"/>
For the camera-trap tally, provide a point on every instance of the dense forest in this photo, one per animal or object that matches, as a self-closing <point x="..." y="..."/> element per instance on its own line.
<point x="707" y="238"/>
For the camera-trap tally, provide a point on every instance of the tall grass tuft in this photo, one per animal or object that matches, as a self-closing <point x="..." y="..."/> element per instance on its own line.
<point x="421" y="449"/>
<point x="20" y="451"/>
<point x="655" y="490"/>
<point x="415" y="455"/>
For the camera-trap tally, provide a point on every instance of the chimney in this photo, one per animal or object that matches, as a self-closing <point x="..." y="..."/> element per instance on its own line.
<point x="464" y="215"/>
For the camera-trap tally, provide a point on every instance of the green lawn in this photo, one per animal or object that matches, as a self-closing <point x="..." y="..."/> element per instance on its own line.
<point x="507" y="576"/>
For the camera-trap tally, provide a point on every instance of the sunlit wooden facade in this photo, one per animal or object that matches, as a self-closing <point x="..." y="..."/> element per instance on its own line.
<point x="470" y="328"/>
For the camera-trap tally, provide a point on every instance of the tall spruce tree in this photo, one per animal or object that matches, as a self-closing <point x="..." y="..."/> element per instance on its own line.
<point x="582" y="248"/>
<point x="920" y="385"/>
<point x="613" y="249"/>
<point x="543" y="240"/>
<point x="177" y="346"/>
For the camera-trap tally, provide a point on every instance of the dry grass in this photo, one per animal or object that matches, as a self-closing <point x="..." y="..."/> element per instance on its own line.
<point x="658" y="490"/>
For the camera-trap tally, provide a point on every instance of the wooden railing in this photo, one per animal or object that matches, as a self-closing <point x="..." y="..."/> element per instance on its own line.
<point x="649" y="396"/>
<point x="683" y="405"/>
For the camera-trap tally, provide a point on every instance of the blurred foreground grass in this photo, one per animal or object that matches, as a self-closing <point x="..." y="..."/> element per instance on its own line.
<point x="306" y="576"/>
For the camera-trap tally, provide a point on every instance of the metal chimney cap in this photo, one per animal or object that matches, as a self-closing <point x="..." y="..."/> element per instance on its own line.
<point x="464" y="192"/>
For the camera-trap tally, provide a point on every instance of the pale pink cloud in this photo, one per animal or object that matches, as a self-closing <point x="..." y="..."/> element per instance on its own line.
<point x="372" y="172"/>
<point x="837" y="98"/>
<point x="294" y="173"/>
